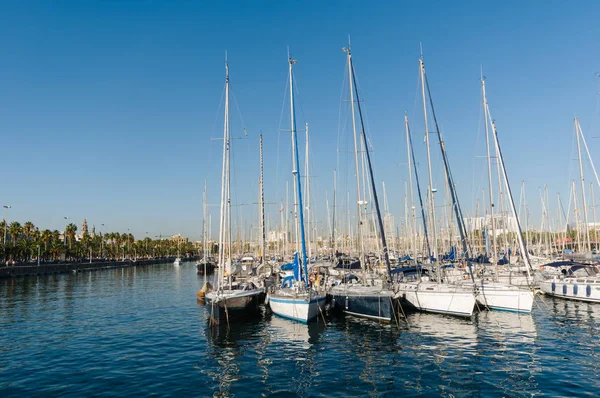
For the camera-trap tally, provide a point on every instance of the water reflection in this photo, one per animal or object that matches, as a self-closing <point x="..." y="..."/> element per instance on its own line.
<point x="142" y="329"/>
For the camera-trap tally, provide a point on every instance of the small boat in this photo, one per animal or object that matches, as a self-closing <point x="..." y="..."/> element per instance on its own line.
<point x="177" y="262"/>
<point x="578" y="282"/>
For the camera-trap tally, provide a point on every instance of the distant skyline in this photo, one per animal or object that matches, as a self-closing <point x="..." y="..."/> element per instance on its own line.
<point x="108" y="110"/>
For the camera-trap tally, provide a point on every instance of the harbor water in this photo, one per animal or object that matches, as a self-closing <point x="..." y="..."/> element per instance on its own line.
<point x="140" y="331"/>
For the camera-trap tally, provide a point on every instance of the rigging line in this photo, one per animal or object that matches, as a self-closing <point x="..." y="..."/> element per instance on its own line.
<point x="342" y="91"/>
<point x="237" y="107"/>
<point x="283" y="102"/>
<point x="218" y="112"/>
<point x="482" y="170"/>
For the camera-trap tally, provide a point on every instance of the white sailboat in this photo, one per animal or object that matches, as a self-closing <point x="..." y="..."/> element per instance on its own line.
<point x="423" y="293"/>
<point x="295" y="299"/>
<point x="231" y="299"/>
<point x="494" y="294"/>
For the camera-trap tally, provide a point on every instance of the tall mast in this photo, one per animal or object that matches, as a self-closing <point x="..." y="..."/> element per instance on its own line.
<point x="489" y="163"/>
<point x="308" y="223"/>
<point x="455" y="203"/>
<point x="585" y="210"/>
<point x="430" y="191"/>
<point x="224" y="184"/>
<point x="204" y="220"/>
<point x="263" y="231"/>
<point x="522" y="246"/>
<point x="296" y="171"/>
<point x="334" y="245"/>
<point x="412" y="201"/>
<point x="359" y="202"/>
<point x="386" y="255"/>
<point x="413" y="161"/>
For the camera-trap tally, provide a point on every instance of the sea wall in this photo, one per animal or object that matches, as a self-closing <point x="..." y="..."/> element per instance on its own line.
<point x="61" y="268"/>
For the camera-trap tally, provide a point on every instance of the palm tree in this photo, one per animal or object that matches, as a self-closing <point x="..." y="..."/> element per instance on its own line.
<point x="28" y="229"/>
<point x="46" y="238"/>
<point x="70" y="231"/>
<point x="15" y="230"/>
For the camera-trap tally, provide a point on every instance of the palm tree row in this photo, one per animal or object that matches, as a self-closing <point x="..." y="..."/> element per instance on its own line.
<point x="23" y="243"/>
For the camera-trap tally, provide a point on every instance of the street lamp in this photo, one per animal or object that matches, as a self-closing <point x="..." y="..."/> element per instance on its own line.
<point x="65" y="233"/>
<point x="6" y="207"/>
<point x="102" y="241"/>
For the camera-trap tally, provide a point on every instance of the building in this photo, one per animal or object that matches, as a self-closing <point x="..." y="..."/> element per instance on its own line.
<point x="179" y="239"/>
<point x="505" y="223"/>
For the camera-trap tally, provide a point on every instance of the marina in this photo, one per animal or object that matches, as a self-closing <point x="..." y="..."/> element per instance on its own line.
<point x="141" y="329"/>
<point x="299" y="199"/>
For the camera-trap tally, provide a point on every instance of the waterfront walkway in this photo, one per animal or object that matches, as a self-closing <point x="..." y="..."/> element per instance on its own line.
<point x="61" y="268"/>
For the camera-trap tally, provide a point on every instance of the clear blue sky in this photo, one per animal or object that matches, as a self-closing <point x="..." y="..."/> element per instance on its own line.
<point x="107" y="108"/>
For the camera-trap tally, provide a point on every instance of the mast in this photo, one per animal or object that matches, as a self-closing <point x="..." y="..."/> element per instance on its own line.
<point x="308" y="223"/>
<point x="522" y="246"/>
<point x="489" y="164"/>
<point x="224" y="186"/>
<point x="296" y="171"/>
<point x="334" y="243"/>
<point x="585" y="210"/>
<point x="287" y="214"/>
<point x="430" y="195"/>
<point x="359" y="202"/>
<point x="372" y="178"/>
<point x="204" y="232"/>
<point x="263" y="231"/>
<point x="411" y="159"/>
<point x="455" y="203"/>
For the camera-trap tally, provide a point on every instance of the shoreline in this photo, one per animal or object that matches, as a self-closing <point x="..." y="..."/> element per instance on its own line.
<point x="8" y="272"/>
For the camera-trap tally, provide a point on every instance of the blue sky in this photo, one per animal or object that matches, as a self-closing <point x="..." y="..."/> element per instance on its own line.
<point x="107" y="108"/>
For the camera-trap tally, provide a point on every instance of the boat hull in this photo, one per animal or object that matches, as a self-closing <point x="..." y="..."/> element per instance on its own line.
<point x="573" y="289"/>
<point x="437" y="298"/>
<point x="210" y="268"/>
<point x="369" y="304"/>
<point x="226" y="308"/>
<point x="301" y="307"/>
<point x="501" y="297"/>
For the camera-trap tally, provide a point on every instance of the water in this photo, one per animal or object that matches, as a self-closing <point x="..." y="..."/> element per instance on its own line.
<point x="140" y="331"/>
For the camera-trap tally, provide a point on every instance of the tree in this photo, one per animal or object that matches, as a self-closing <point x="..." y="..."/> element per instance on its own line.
<point x="28" y="230"/>
<point x="46" y="237"/>
<point x="15" y="230"/>
<point x="70" y="231"/>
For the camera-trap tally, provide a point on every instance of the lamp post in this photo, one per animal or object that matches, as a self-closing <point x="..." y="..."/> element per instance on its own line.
<point x="6" y="207"/>
<point x="65" y="234"/>
<point x="102" y="241"/>
<point x="38" y="255"/>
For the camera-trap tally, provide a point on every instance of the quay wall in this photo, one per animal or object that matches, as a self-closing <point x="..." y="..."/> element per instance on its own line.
<point x="61" y="268"/>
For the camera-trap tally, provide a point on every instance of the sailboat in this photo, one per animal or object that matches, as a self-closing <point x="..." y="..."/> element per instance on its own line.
<point x="575" y="280"/>
<point x="370" y="298"/>
<point x="296" y="299"/>
<point x="231" y="299"/>
<point x="206" y="264"/>
<point x="494" y="294"/>
<point x="423" y="293"/>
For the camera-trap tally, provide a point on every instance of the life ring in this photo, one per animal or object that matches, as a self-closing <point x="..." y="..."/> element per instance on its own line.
<point x="311" y="278"/>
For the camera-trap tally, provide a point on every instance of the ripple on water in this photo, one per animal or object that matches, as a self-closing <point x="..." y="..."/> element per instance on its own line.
<point x="132" y="332"/>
